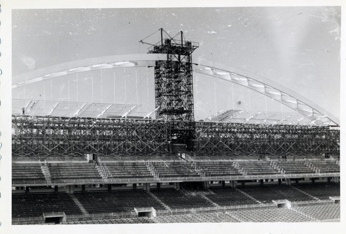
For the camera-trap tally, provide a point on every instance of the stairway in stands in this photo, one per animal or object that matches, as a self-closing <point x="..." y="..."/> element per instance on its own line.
<point x="151" y="169"/>
<point x="46" y="172"/>
<point x="81" y="207"/>
<point x="161" y="202"/>
<point x="103" y="171"/>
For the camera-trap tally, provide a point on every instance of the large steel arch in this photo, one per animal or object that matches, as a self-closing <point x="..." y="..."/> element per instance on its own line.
<point x="264" y="86"/>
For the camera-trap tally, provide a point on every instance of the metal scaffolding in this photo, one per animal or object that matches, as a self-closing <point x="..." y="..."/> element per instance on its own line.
<point x="47" y="136"/>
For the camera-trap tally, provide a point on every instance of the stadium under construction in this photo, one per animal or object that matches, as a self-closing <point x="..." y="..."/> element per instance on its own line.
<point x="108" y="167"/>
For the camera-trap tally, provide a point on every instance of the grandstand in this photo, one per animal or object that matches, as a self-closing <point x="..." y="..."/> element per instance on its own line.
<point x="87" y="163"/>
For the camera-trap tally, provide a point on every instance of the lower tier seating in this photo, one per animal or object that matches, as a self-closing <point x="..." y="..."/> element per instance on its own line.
<point x="321" y="211"/>
<point x="320" y="190"/>
<point x="269" y="215"/>
<point x="34" y="205"/>
<point x="116" y="201"/>
<point x="178" y="200"/>
<point x="266" y="194"/>
<point x="229" y="197"/>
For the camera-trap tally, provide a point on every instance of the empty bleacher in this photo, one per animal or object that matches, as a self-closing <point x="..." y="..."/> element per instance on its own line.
<point x="65" y="172"/>
<point x="321" y="211"/>
<point x="320" y="190"/>
<point x="229" y="197"/>
<point x="33" y="205"/>
<point x="113" y="221"/>
<point x="174" y="169"/>
<point x="325" y="166"/>
<point x="27" y="173"/>
<point x="218" y="168"/>
<point x="266" y="194"/>
<point x="269" y="215"/>
<point x="256" y="168"/>
<point x="214" y="217"/>
<point x="178" y="200"/>
<point x="117" y="201"/>
<point x="292" y="167"/>
<point x="128" y="170"/>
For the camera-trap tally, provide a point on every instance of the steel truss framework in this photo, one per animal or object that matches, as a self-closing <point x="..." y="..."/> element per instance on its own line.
<point x="44" y="136"/>
<point x="174" y="85"/>
<point x="278" y="140"/>
<point x="47" y="136"/>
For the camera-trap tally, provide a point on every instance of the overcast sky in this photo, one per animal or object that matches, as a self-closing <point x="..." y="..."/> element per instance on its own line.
<point x="298" y="47"/>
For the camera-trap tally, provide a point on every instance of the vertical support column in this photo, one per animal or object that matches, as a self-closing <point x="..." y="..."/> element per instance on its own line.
<point x="146" y="186"/>
<point x="206" y="184"/>
<point x="233" y="183"/>
<point x="279" y="181"/>
<point x="83" y="188"/>
<point x="109" y="188"/>
<point x="177" y="185"/>
<point x="261" y="182"/>
<point x="288" y="181"/>
<point x="223" y="184"/>
<point x="70" y="189"/>
<point x="158" y="186"/>
<point x="56" y="189"/>
<point x="27" y="190"/>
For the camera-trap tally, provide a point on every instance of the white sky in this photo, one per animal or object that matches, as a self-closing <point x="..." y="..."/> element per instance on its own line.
<point x="298" y="47"/>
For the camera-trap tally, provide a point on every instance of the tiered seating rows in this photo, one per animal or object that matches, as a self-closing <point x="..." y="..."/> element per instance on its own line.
<point x="128" y="170"/>
<point x="257" y="168"/>
<point x="62" y="171"/>
<point x="321" y="191"/>
<point x="177" y="200"/>
<point x="294" y="167"/>
<point x="33" y="205"/>
<point x="322" y="211"/>
<point x="270" y="215"/>
<point x="174" y="169"/>
<point x="218" y="168"/>
<point x="117" y="201"/>
<point x="113" y="221"/>
<point x="229" y="197"/>
<point x="195" y="218"/>
<point x="327" y="166"/>
<point x="27" y="171"/>
<point x="266" y="194"/>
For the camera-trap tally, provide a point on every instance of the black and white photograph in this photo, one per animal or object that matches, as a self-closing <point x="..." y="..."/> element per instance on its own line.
<point x="175" y="115"/>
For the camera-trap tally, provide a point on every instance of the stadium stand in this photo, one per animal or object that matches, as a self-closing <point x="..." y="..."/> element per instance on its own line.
<point x="33" y="205"/>
<point x="229" y="197"/>
<point x="292" y="167"/>
<point x="128" y="170"/>
<point x="27" y="173"/>
<point x="63" y="172"/>
<point x="320" y="190"/>
<point x="218" y="168"/>
<point x="117" y="201"/>
<point x="266" y="194"/>
<point x="178" y="200"/>
<point x="321" y="211"/>
<point x="255" y="168"/>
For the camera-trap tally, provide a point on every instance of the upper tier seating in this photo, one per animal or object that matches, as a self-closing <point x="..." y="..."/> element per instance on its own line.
<point x="326" y="166"/>
<point x="293" y="167"/>
<point x="256" y="168"/>
<point x="229" y="197"/>
<point x="266" y="194"/>
<point x="61" y="172"/>
<point x="128" y="170"/>
<point x="174" y="169"/>
<point x="218" y="168"/>
<point x="34" y="205"/>
<point x="117" y="201"/>
<point x="27" y="173"/>
<point x="320" y="190"/>
<point x="269" y="215"/>
<point x="177" y="200"/>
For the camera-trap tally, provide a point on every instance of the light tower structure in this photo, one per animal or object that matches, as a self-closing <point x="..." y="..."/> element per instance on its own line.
<point x="174" y="86"/>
